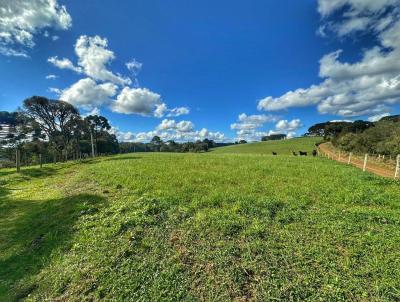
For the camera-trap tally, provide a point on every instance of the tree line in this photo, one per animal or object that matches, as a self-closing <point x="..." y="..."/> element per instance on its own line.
<point x="158" y="145"/>
<point x="381" y="137"/>
<point x="46" y="130"/>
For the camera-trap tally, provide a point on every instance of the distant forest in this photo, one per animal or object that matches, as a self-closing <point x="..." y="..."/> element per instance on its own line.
<point x="381" y="137"/>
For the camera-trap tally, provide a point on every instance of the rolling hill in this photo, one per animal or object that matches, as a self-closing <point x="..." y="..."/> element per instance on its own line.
<point x="282" y="147"/>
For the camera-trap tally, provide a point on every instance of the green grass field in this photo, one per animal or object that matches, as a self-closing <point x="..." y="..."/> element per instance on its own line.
<point x="199" y="227"/>
<point x="282" y="147"/>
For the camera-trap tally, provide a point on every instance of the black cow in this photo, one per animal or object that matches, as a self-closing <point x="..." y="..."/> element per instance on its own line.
<point x="294" y="153"/>
<point x="303" y="153"/>
<point x="274" y="153"/>
<point x="314" y="153"/>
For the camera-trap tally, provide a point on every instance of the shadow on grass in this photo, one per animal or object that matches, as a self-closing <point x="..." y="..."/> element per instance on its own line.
<point x="30" y="231"/>
<point x="33" y="172"/>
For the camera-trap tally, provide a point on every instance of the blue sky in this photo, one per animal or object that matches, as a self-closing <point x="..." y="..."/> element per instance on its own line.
<point x="221" y="69"/>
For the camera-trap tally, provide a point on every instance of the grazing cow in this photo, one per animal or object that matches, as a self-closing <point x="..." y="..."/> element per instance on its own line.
<point x="274" y="153"/>
<point x="294" y="153"/>
<point x="314" y="153"/>
<point x="303" y="153"/>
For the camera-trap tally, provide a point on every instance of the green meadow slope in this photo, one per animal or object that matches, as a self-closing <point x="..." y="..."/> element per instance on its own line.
<point x="282" y="147"/>
<point x="199" y="227"/>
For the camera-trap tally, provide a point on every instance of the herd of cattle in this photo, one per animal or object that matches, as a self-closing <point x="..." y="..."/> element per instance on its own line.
<point x="301" y="153"/>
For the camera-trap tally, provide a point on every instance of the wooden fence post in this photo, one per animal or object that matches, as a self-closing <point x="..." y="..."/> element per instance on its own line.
<point x="365" y="162"/>
<point x="40" y="161"/>
<point x="349" y="161"/>
<point x="397" y="172"/>
<point x="18" y="160"/>
<point x="92" y="143"/>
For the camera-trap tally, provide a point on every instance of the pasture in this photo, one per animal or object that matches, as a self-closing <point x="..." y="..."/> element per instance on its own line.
<point x="199" y="227"/>
<point x="282" y="147"/>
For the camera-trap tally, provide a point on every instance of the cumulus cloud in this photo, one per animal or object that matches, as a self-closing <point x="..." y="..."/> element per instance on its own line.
<point x="358" y="15"/>
<point x="64" y="63"/>
<point x="87" y="94"/>
<point x="185" y="126"/>
<point x="93" y="57"/>
<point x="93" y="60"/>
<point x="181" y="136"/>
<point x="367" y="87"/>
<point x="136" y="101"/>
<point x="122" y="136"/>
<point x="182" y="131"/>
<point x="161" y="109"/>
<point x="288" y="126"/>
<point x="247" y="126"/>
<point x="144" y="102"/>
<point x="167" y="125"/>
<point x="21" y="20"/>
<point x="252" y="121"/>
<point x="182" y="126"/>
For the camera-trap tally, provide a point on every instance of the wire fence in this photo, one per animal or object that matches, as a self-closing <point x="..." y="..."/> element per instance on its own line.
<point x="382" y="165"/>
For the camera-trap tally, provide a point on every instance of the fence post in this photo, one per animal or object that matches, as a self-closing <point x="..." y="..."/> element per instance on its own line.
<point x="340" y="153"/>
<point x="365" y="162"/>
<point x="18" y="160"/>
<point x="396" y="173"/>
<point x="349" y="161"/>
<point x="91" y="141"/>
<point x="40" y="161"/>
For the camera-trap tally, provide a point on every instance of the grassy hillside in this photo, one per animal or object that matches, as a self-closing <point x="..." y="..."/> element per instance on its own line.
<point x="282" y="147"/>
<point x="199" y="227"/>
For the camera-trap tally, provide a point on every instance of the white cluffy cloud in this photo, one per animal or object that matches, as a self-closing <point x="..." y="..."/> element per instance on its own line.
<point x="252" y="122"/>
<point x="94" y="57"/>
<point x="93" y="60"/>
<point x="248" y="126"/>
<point x="21" y="20"/>
<point x="64" y="63"/>
<point x="367" y="87"/>
<point x="287" y="126"/>
<point x="136" y="100"/>
<point x="182" y="126"/>
<point x="101" y="84"/>
<point x="182" y="131"/>
<point x="87" y="94"/>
